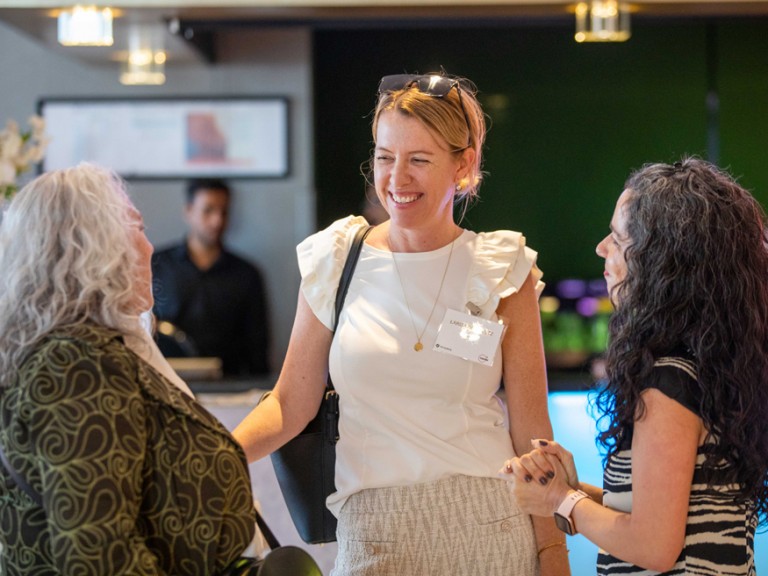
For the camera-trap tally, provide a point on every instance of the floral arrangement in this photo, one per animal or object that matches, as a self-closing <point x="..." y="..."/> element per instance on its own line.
<point x="19" y="151"/>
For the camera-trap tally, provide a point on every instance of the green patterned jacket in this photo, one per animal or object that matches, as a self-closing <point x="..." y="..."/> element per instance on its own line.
<point x="137" y="478"/>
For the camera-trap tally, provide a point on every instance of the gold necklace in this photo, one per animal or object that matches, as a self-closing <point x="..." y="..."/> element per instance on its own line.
<point x="418" y="347"/>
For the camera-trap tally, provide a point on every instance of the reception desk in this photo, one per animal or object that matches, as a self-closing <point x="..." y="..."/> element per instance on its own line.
<point x="231" y="385"/>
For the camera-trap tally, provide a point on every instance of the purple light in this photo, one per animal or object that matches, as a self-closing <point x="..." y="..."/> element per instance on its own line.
<point x="597" y="287"/>
<point x="587" y="306"/>
<point x="572" y="288"/>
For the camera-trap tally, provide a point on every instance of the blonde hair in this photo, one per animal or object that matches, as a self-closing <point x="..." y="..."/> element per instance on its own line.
<point x="67" y="258"/>
<point x="445" y="117"/>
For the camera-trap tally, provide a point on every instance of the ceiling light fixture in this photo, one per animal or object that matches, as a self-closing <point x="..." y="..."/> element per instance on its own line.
<point x="85" y="26"/>
<point x="602" y="21"/>
<point x="145" y="63"/>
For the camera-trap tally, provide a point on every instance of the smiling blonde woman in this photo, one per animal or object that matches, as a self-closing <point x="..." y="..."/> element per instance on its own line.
<point x="422" y="431"/>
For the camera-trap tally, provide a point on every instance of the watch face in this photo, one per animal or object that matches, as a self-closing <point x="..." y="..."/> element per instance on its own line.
<point x="564" y="524"/>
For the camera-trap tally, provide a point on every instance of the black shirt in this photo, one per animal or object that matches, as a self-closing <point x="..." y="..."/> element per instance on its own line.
<point x="222" y="309"/>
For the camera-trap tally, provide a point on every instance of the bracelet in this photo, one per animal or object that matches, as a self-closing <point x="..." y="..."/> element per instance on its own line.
<point x="551" y="545"/>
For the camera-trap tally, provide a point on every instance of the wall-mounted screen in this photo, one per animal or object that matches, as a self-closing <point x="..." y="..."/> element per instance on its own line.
<point x="170" y="138"/>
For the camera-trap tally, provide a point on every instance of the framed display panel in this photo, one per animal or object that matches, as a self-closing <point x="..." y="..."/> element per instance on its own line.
<point x="244" y="137"/>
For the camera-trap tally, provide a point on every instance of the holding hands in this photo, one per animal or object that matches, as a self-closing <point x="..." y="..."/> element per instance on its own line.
<point x="541" y="479"/>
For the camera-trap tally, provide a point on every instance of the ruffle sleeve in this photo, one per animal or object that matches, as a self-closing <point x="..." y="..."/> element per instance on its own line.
<point x="321" y="260"/>
<point x="501" y="265"/>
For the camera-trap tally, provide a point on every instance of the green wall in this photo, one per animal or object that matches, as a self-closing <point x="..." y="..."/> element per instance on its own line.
<point x="743" y="88"/>
<point x="568" y="121"/>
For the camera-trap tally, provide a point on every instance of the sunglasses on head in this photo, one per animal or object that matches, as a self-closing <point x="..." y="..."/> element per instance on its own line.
<point x="429" y="84"/>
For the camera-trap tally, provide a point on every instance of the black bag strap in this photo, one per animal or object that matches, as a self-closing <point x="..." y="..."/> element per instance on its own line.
<point x="341" y="295"/>
<point x="349" y="270"/>
<point x="37" y="498"/>
<point x="266" y="532"/>
<point x="346" y="278"/>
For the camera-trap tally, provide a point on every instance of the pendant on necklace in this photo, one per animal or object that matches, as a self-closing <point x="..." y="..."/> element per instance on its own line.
<point x="418" y="346"/>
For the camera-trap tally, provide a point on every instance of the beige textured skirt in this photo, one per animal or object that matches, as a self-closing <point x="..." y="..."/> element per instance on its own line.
<point x="458" y="525"/>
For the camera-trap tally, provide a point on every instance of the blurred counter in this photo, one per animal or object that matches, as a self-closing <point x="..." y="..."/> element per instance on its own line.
<point x="558" y="380"/>
<point x="230" y="385"/>
<point x="204" y="376"/>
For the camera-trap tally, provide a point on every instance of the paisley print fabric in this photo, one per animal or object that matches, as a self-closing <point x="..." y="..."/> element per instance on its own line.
<point x="136" y="477"/>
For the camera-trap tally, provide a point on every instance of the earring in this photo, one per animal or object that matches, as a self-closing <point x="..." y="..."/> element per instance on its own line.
<point x="458" y="187"/>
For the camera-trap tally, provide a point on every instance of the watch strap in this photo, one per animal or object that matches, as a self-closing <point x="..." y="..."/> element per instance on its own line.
<point x="566" y="506"/>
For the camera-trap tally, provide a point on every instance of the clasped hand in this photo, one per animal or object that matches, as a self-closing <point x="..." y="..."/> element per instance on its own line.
<point x="541" y="479"/>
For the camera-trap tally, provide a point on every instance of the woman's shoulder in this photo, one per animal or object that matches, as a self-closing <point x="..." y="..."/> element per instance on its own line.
<point x="500" y="266"/>
<point x="76" y="341"/>
<point x="502" y="248"/>
<point x="87" y="360"/>
<point x="88" y="333"/>
<point x="338" y="236"/>
<point x="675" y="375"/>
<point x="678" y="366"/>
<point x="501" y="237"/>
<point x="78" y="355"/>
<point x="321" y="259"/>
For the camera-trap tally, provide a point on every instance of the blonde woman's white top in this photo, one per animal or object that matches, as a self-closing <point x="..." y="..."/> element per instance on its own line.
<point x="409" y="417"/>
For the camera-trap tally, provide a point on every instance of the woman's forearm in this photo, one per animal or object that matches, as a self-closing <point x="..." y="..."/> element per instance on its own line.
<point x="594" y="492"/>
<point x="267" y="427"/>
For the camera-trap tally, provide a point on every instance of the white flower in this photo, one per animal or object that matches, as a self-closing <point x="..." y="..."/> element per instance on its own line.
<point x="7" y="172"/>
<point x="38" y="126"/>
<point x="10" y="141"/>
<point x="19" y="151"/>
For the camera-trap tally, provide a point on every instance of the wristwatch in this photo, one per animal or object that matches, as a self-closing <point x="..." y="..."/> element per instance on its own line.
<point x="563" y="518"/>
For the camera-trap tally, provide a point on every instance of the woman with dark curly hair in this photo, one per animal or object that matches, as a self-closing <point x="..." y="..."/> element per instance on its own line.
<point x="686" y="443"/>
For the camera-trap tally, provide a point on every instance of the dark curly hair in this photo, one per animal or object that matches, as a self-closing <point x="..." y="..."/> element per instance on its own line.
<point x="697" y="278"/>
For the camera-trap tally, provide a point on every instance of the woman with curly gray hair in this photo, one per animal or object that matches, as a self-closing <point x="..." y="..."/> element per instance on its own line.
<point x="108" y="468"/>
<point x="686" y="444"/>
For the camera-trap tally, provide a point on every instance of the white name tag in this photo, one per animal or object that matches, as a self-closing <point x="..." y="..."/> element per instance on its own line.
<point x="469" y="337"/>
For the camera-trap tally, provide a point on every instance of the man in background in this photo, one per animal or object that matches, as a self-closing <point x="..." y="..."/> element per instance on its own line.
<point x="213" y="296"/>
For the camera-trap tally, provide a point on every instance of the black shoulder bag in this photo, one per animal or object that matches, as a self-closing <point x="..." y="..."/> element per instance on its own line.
<point x="281" y="560"/>
<point x="306" y="465"/>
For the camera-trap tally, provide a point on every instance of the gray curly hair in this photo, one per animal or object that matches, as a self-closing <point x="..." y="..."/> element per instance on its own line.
<point x="67" y="258"/>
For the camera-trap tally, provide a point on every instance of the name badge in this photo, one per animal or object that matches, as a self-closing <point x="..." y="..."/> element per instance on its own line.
<point x="469" y="337"/>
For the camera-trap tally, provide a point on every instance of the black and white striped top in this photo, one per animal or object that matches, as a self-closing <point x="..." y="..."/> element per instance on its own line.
<point x="720" y="529"/>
